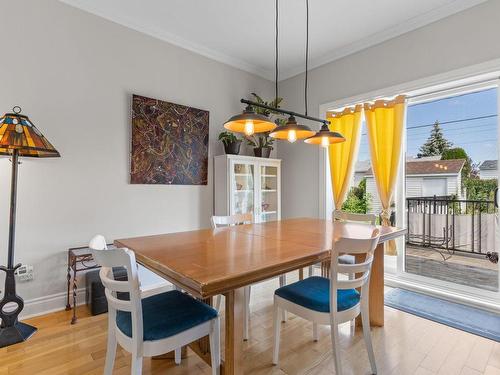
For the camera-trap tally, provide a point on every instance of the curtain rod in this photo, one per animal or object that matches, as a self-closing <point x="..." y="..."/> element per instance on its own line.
<point x="284" y="111"/>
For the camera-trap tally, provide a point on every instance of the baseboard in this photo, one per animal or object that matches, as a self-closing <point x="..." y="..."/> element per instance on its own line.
<point x="48" y="304"/>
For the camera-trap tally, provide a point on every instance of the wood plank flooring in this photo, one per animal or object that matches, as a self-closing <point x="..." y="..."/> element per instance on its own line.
<point x="406" y="345"/>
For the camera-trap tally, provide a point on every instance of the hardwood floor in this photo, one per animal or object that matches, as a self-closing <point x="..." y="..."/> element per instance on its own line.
<point x="406" y="345"/>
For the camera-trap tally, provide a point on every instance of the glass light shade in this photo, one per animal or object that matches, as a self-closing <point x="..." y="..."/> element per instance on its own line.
<point x="17" y="132"/>
<point x="324" y="137"/>
<point x="291" y="131"/>
<point x="249" y="123"/>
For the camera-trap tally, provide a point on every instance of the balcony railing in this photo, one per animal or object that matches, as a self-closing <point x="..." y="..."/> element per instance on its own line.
<point x="467" y="226"/>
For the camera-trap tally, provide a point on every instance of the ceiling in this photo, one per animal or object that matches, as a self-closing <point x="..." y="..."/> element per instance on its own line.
<point x="241" y="33"/>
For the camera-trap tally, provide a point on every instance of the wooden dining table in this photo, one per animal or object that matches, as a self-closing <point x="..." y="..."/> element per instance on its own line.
<point x="209" y="262"/>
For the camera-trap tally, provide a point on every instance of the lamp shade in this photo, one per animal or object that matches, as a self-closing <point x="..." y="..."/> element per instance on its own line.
<point x="325" y="137"/>
<point x="292" y="131"/>
<point x="17" y="132"/>
<point x="249" y="122"/>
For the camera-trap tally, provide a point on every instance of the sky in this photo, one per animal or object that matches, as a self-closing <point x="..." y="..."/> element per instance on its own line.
<point x="468" y="121"/>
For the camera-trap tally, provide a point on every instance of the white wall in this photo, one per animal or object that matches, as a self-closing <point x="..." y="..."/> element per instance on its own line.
<point x="461" y="40"/>
<point x="73" y="73"/>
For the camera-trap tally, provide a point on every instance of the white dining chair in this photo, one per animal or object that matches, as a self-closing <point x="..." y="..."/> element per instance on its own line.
<point x="150" y="282"/>
<point x="352" y="218"/>
<point x="155" y="325"/>
<point x="332" y="301"/>
<point x="240" y="219"/>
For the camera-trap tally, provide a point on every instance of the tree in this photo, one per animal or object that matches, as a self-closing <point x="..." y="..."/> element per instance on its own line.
<point x="469" y="170"/>
<point x="436" y="144"/>
<point x="357" y="201"/>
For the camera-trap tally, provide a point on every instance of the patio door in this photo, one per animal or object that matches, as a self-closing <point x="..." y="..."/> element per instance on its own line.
<point x="451" y="173"/>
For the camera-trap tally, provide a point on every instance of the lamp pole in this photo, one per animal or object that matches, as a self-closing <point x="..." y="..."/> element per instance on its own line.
<point x="11" y="330"/>
<point x="13" y="201"/>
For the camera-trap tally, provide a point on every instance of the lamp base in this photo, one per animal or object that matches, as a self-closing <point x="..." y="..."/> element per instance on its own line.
<point x="19" y="332"/>
<point x="11" y="330"/>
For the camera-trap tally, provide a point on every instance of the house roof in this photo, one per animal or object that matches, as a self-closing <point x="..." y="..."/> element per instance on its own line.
<point x="431" y="167"/>
<point x="489" y="165"/>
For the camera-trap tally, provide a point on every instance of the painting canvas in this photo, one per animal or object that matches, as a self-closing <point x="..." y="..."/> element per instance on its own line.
<point x="169" y="143"/>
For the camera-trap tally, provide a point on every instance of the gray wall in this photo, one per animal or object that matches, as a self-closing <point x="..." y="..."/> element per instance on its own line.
<point x="73" y="73"/>
<point x="461" y="40"/>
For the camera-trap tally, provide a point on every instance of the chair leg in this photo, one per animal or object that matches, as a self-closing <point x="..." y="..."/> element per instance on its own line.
<point x="110" y="352"/>
<point x="136" y="367"/>
<point x="311" y="271"/>
<point x="276" y="336"/>
<point x="214" y="338"/>
<point x="178" y="356"/>
<point x="365" y="319"/>
<point x="336" y="348"/>
<point x="353" y="322"/>
<point x="246" y="320"/>
<point x="218" y="301"/>
<point x="315" y="332"/>
<point x="282" y="279"/>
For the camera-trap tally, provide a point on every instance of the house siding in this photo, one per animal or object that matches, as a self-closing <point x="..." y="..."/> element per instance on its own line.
<point x="488" y="174"/>
<point x="414" y="188"/>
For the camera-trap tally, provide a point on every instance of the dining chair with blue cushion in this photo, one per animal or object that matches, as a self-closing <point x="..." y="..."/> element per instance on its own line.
<point x="154" y="325"/>
<point x="332" y="301"/>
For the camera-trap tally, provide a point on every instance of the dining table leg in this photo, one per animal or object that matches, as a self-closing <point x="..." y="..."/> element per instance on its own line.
<point x="233" y="355"/>
<point x="376" y="296"/>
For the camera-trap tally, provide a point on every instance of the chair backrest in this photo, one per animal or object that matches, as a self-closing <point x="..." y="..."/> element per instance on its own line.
<point x="360" y="271"/>
<point x="357" y="218"/>
<point x="107" y="259"/>
<point x="226" y="221"/>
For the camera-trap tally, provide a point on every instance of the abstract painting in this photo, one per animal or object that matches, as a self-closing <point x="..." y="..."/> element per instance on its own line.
<point x="169" y="143"/>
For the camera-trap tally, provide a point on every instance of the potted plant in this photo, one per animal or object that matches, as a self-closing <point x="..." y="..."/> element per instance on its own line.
<point x="262" y="143"/>
<point x="231" y="143"/>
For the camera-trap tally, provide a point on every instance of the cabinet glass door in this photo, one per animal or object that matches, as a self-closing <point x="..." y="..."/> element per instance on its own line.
<point x="269" y="193"/>
<point x="243" y="188"/>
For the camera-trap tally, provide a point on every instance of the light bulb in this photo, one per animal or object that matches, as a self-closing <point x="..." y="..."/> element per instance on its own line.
<point x="324" y="142"/>
<point x="292" y="135"/>
<point x="249" y="128"/>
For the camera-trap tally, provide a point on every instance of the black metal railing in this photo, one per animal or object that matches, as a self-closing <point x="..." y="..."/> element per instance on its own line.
<point x="469" y="212"/>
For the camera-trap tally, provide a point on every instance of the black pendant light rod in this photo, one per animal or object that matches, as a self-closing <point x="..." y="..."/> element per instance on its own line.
<point x="283" y="111"/>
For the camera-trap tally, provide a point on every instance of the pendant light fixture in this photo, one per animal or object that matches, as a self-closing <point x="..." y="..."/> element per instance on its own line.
<point x="324" y="136"/>
<point x="291" y="131"/>
<point x="249" y="122"/>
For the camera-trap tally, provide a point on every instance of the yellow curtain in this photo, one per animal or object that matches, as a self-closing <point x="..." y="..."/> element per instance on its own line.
<point x="343" y="155"/>
<point x="384" y="123"/>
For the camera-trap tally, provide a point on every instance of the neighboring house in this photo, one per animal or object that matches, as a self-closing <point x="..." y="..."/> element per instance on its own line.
<point x="424" y="178"/>
<point x="488" y="170"/>
<point x="360" y="169"/>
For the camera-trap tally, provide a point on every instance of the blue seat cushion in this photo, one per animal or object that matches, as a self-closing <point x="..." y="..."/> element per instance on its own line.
<point x="314" y="293"/>
<point x="167" y="314"/>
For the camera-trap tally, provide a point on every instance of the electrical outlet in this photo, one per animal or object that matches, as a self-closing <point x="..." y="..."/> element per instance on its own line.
<point x="25" y="273"/>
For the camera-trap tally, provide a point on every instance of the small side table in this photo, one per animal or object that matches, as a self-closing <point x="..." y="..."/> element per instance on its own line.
<point x="79" y="259"/>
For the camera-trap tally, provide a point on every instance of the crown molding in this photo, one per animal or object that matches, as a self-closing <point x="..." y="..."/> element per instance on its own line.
<point x="171" y="39"/>
<point x="372" y="40"/>
<point x="387" y="34"/>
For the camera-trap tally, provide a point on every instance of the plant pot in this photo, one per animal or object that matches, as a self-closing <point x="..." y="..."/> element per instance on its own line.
<point x="262" y="152"/>
<point x="232" y="148"/>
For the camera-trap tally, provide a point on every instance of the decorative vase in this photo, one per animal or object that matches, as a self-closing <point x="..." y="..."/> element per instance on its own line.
<point x="232" y="148"/>
<point x="262" y="152"/>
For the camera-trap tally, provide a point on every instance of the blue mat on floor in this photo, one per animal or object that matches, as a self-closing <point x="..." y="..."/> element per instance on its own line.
<point x="466" y="318"/>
